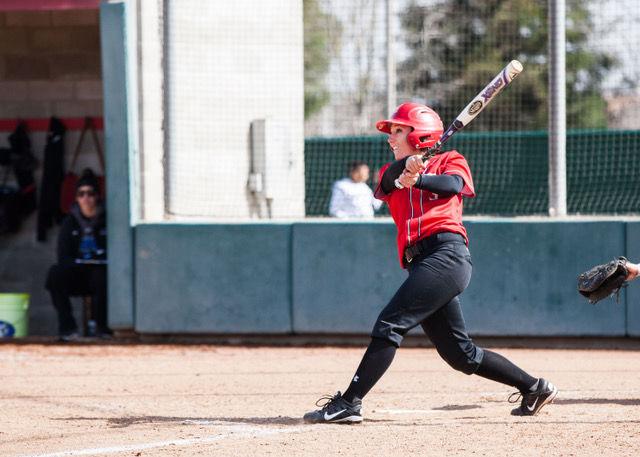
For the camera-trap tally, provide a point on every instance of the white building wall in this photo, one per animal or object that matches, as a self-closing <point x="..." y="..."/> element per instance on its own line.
<point x="150" y="113"/>
<point x="228" y="64"/>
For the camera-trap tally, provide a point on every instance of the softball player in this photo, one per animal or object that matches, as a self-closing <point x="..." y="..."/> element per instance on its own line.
<point x="432" y="246"/>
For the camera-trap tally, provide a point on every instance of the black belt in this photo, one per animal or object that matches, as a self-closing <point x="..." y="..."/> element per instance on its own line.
<point x="426" y="244"/>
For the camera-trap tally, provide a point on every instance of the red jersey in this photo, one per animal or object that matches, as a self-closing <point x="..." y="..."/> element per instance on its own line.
<point x="420" y="213"/>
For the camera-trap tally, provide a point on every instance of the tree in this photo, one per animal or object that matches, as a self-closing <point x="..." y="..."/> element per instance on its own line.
<point x="456" y="46"/>
<point x="321" y="34"/>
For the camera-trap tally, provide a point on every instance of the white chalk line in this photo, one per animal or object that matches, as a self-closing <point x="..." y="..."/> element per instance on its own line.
<point x="406" y="411"/>
<point x="238" y="432"/>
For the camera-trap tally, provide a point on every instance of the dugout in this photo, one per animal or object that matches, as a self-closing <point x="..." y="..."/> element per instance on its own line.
<point x="50" y="65"/>
<point x="150" y="91"/>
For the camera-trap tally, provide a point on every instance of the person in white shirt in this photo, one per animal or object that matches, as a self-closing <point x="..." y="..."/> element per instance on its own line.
<point x="351" y="197"/>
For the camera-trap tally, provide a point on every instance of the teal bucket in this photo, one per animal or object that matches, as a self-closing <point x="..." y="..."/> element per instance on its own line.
<point x="14" y="315"/>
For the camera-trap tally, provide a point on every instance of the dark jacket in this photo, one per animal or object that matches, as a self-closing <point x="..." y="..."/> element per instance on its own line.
<point x="24" y="163"/>
<point x="52" y="176"/>
<point x="74" y="228"/>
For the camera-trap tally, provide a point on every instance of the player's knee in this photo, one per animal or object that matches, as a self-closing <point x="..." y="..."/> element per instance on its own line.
<point x="464" y="359"/>
<point x="463" y="364"/>
<point x="385" y="331"/>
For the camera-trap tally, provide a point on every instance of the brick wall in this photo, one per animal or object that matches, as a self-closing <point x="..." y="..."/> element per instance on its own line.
<point x="50" y="64"/>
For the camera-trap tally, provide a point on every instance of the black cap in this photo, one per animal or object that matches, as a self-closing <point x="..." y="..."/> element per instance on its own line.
<point x="90" y="179"/>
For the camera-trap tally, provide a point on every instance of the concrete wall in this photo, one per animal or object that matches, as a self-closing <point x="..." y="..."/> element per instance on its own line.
<point x="121" y="151"/>
<point x="226" y="67"/>
<point x="151" y="112"/>
<point x="334" y="277"/>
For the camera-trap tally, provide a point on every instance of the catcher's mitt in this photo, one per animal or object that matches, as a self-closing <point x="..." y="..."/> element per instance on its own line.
<point x="603" y="280"/>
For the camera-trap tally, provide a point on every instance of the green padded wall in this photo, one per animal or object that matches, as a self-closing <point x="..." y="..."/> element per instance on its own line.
<point x="633" y="291"/>
<point x="509" y="169"/>
<point x="525" y="276"/>
<point x="343" y="275"/>
<point x="334" y="277"/>
<point x="215" y="278"/>
<point x="523" y="283"/>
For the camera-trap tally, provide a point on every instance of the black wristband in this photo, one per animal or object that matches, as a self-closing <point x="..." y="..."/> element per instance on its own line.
<point x="387" y="183"/>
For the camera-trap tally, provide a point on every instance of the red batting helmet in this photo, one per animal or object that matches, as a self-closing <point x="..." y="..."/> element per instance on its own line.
<point x="426" y="124"/>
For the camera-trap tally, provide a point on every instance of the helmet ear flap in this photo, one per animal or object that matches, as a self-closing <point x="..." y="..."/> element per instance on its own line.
<point x="413" y="138"/>
<point x="420" y="139"/>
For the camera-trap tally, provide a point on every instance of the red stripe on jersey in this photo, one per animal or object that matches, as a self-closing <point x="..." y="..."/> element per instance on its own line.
<point x="435" y="214"/>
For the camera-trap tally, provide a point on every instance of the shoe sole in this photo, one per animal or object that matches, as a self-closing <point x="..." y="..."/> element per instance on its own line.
<point x="344" y="420"/>
<point x="349" y="420"/>
<point x="547" y="400"/>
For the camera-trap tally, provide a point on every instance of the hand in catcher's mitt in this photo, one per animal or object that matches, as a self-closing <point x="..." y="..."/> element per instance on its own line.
<point x="603" y="280"/>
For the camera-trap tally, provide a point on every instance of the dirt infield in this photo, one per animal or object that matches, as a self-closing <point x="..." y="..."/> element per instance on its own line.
<point x="161" y="400"/>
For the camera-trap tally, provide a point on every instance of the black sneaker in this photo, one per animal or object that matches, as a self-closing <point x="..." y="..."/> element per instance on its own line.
<point x="532" y="402"/>
<point x="335" y="409"/>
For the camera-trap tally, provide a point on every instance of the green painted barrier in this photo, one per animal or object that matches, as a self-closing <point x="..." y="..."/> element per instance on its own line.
<point x="334" y="277"/>
<point x="510" y="170"/>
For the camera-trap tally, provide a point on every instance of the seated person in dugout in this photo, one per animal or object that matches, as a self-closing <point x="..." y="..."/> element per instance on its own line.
<point x="81" y="269"/>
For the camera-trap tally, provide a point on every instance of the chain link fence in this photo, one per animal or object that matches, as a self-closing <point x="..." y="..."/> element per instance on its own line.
<point x="361" y="54"/>
<point x="233" y="101"/>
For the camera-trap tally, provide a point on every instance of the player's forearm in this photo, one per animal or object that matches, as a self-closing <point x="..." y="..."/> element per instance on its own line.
<point x="391" y="174"/>
<point x="443" y="185"/>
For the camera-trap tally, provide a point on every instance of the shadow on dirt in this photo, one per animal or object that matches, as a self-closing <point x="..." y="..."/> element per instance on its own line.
<point x="127" y="421"/>
<point x="597" y="401"/>
<point x="456" y="407"/>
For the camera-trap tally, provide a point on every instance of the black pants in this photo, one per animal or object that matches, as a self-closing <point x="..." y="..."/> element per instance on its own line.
<point x="69" y="281"/>
<point x="429" y="297"/>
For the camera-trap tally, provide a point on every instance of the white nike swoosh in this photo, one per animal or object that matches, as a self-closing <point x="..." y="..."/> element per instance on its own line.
<point x="328" y="417"/>
<point x="532" y="407"/>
